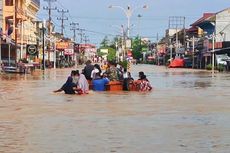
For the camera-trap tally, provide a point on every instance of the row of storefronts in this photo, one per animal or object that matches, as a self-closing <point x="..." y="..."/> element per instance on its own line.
<point x="17" y="29"/>
<point x="23" y="38"/>
<point x="209" y="33"/>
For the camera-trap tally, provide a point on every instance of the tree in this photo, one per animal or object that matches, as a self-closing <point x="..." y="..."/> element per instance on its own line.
<point x="111" y="46"/>
<point x="112" y="54"/>
<point x="116" y="42"/>
<point x="137" y="47"/>
<point x="105" y="42"/>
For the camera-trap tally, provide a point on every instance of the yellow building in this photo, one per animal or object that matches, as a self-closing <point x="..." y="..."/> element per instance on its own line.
<point x="18" y="17"/>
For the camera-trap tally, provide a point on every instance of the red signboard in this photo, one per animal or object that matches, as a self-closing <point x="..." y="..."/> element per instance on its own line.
<point x="62" y="45"/>
<point x="129" y="53"/>
<point x="217" y="45"/>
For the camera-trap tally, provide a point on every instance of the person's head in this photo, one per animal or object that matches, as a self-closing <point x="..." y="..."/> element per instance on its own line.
<point x="143" y="77"/>
<point x="141" y="73"/>
<point x="77" y="73"/>
<point x="88" y="62"/>
<point x="73" y="73"/>
<point x="97" y="67"/>
<point x="112" y="63"/>
<point x="104" y="75"/>
<point x="125" y="70"/>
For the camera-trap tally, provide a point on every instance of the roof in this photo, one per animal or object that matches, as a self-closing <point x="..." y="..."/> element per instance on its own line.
<point x="223" y="10"/>
<point x="192" y="29"/>
<point x="88" y="45"/>
<point x="205" y="16"/>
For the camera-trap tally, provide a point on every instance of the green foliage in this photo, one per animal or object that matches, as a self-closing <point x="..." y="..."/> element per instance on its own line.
<point x="220" y="67"/>
<point x="209" y="67"/>
<point x="99" y="53"/>
<point x="112" y="54"/>
<point x="105" y="42"/>
<point x="116" y="41"/>
<point x="124" y="64"/>
<point x="150" y="62"/>
<point x="137" y="48"/>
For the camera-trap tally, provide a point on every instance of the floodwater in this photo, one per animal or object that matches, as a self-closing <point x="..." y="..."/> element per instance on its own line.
<point x="187" y="112"/>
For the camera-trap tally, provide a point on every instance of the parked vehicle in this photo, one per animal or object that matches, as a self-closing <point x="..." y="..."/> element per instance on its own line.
<point x="187" y="63"/>
<point x="222" y="59"/>
<point x="176" y="63"/>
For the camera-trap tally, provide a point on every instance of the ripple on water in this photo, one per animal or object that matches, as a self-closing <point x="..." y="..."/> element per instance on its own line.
<point x="188" y="111"/>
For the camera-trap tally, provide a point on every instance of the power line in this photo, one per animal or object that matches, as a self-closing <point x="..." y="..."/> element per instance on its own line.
<point x="62" y="18"/>
<point x="49" y="8"/>
<point x="74" y="28"/>
<point x="81" y="34"/>
<point x="86" y="39"/>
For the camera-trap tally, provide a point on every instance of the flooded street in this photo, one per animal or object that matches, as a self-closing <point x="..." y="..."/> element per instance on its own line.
<point x="187" y="112"/>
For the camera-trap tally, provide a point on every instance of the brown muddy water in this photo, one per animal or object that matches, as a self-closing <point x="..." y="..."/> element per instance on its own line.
<point x="187" y="112"/>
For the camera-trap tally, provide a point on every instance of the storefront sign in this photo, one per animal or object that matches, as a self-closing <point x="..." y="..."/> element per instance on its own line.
<point x="62" y="45"/>
<point x="32" y="50"/>
<point x="69" y="51"/>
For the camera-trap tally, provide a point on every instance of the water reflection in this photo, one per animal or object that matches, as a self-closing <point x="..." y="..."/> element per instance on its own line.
<point x="188" y="111"/>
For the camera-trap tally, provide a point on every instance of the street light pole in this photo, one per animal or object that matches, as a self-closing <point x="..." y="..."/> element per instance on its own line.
<point x="55" y="54"/>
<point x="0" y="49"/>
<point x="213" y="54"/>
<point x="128" y="12"/>
<point x="193" y="51"/>
<point x="139" y="22"/>
<point x="22" y="39"/>
<point x="43" y="46"/>
<point x="170" y="41"/>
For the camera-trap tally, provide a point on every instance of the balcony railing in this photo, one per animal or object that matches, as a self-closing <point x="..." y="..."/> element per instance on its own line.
<point x="36" y="2"/>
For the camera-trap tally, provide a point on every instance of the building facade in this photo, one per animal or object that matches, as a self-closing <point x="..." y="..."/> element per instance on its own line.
<point x="1" y="14"/>
<point x="19" y="28"/>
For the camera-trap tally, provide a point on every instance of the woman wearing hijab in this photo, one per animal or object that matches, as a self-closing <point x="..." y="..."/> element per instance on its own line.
<point x="82" y="84"/>
<point x="96" y="70"/>
<point x="142" y="84"/>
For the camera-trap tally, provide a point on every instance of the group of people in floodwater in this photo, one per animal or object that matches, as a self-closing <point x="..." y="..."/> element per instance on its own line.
<point x="92" y="76"/>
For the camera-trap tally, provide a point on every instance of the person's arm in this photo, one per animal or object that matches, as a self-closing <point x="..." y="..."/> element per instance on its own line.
<point x="59" y="90"/>
<point x="106" y="80"/>
<point x="149" y="86"/>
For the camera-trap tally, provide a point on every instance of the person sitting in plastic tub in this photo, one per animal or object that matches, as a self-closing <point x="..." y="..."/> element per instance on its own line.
<point x="127" y="80"/>
<point x="142" y="84"/>
<point x="112" y="72"/>
<point x="99" y="84"/>
<point x="82" y="84"/>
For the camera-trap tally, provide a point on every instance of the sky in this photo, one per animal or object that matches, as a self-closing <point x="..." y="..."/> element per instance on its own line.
<point x="99" y="20"/>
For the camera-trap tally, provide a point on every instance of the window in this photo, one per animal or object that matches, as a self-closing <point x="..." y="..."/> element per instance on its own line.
<point x="9" y="2"/>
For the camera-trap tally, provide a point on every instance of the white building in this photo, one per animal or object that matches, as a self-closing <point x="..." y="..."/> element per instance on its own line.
<point x="222" y="21"/>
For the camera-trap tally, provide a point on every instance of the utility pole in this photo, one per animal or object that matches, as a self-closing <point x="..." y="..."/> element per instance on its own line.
<point x="86" y="39"/>
<point x="81" y="34"/>
<point x="193" y="51"/>
<point x="62" y="18"/>
<point x="74" y="28"/>
<point x="213" y="54"/>
<point x="15" y="27"/>
<point x="49" y="8"/>
<point x="43" y="47"/>
<point x="156" y="51"/>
